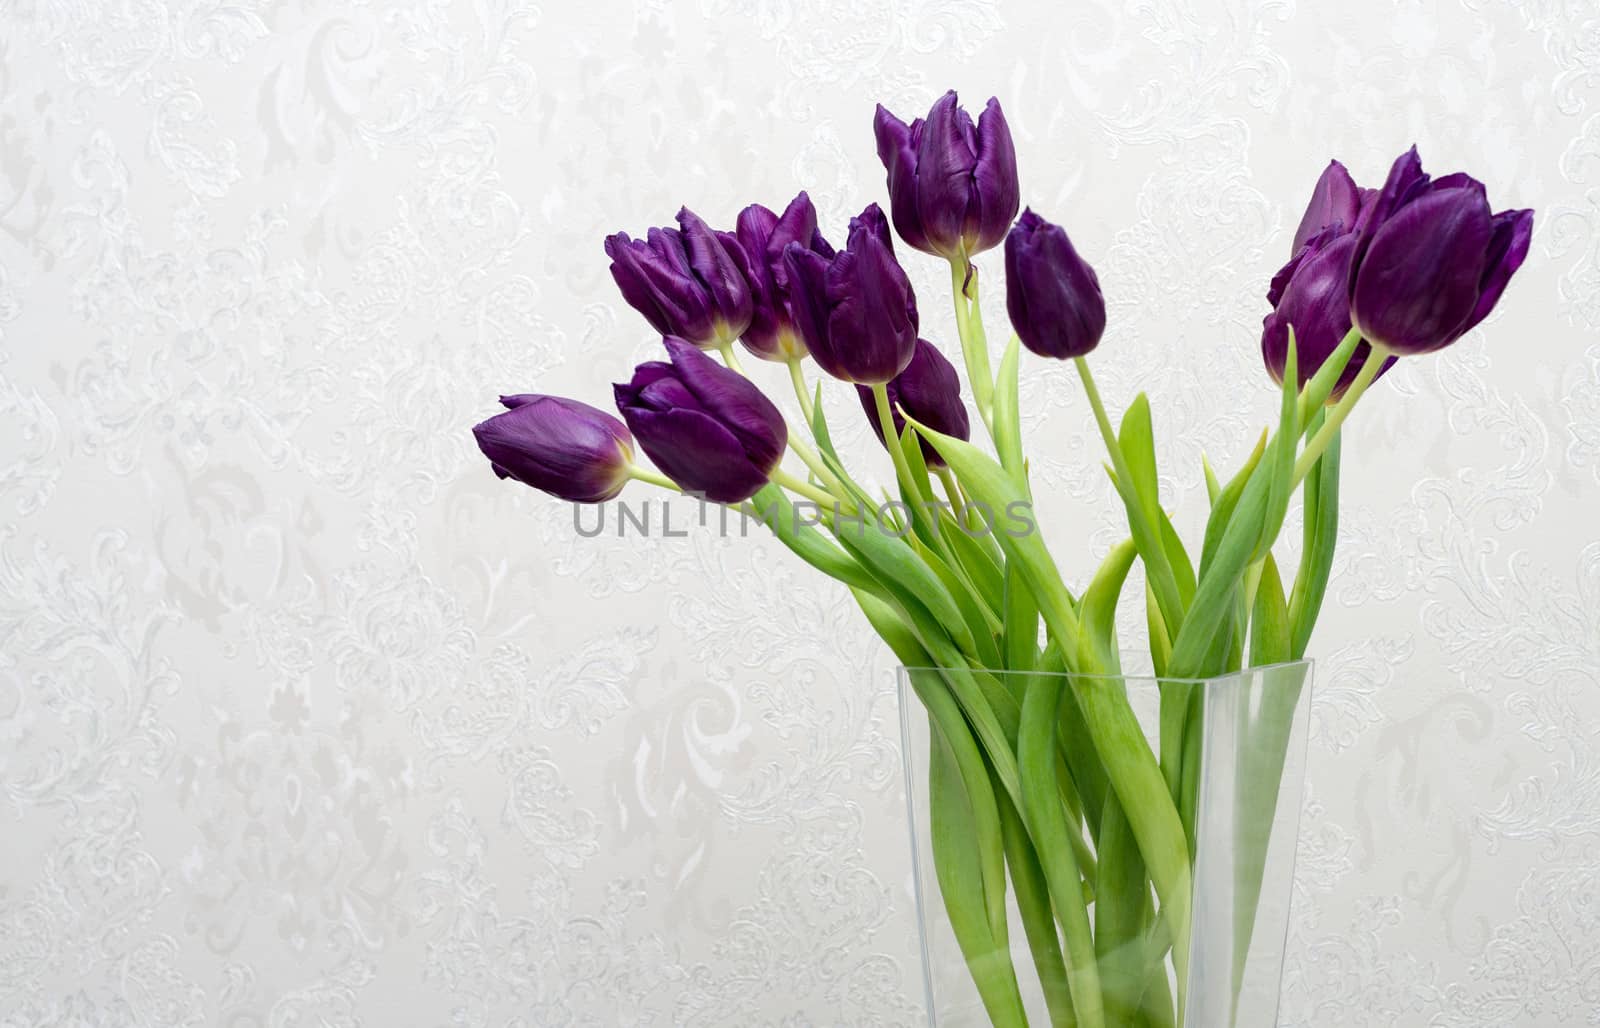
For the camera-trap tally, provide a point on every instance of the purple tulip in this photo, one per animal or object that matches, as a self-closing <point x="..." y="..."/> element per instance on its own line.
<point x="563" y="447"/>
<point x="930" y="391"/>
<point x="1052" y="294"/>
<point x="707" y="428"/>
<point x="1336" y="200"/>
<point x="1431" y="260"/>
<point x="1311" y="293"/>
<point x="856" y="312"/>
<point x="764" y="236"/>
<point x="952" y="185"/>
<point x="688" y="282"/>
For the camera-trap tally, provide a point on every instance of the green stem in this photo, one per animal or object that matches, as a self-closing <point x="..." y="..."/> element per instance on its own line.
<point x="826" y="500"/>
<point x="731" y="359"/>
<point x="891" y="439"/>
<point x="653" y="477"/>
<point x="798" y="377"/>
<point x="1341" y="410"/>
<point x="974" y="345"/>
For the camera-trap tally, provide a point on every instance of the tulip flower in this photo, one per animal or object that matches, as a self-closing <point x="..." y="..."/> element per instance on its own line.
<point x="952" y="185"/>
<point x="856" y="312"/>
<point x="1336" y="200"/>
<point x="1431" y="259"/>
<point x="1311" y="294"/>
<point x="560" y="446"/>
<point x="764" y="236"/>
<point x="930" y="391"/>
<point x="1052" y="294"/>
<point x="707" y="428"/>
<point x="688" y="282"/>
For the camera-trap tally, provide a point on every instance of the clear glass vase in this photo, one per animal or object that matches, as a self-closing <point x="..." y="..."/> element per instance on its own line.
<point x="1094" y="893"/>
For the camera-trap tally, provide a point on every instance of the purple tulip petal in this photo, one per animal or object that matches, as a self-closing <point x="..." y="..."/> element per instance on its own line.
<point x="1417" y="284"/>
<point x="897" y="151"/>
<point x="945" y="162"/>
<point x="1508" y="248"/>
<point x="996" y="194"/>
<point x="1334" y="200"/>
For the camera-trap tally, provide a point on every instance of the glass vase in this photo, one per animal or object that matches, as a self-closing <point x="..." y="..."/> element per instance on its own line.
<point x="1091" y="920"/>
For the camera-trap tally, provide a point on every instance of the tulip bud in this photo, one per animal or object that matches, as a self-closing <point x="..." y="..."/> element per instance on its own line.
<point x="930" y="391"/>
<point x="563" y="447"/>
<point x="1311" y="294"/>
<point x="1052" y="294"/>
<point x="1431" y="260"/>
<point x="707" y="428"/>
<point x="856" y="312"/>
<point x="764" y="236"/>
<point x="688" y="282"/>
<point x="952" y="186"/>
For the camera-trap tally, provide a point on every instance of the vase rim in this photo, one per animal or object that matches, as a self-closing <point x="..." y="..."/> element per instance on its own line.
<point x="1303" y="664"/>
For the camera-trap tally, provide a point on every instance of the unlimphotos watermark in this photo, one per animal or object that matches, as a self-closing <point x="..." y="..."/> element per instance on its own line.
<point x="668" y="518"/>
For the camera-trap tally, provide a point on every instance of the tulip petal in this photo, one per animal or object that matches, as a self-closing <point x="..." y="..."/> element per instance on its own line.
<point x="1508" y="248"/>
<point x="897" y="151"/>
<point x="1335" y="200"/>
<point x="945" y="161"/>
<point x="696" y="452"/>
<point x="1417" y="284"/>
<point x="735" y="402"/>
<point x="996" y="194"/>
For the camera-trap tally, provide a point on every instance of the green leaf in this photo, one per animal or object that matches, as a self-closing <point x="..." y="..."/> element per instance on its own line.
<point x="1022" y="625"/>
<point x="1287" y="446"/>
<point x="975" y="560"/>
<point x="1316" y="560"/>
<point x="1007" y="417"/>
<point x="1137" y="439"/>
<point x="966" y="833"/>
<point x="896" y="565"/>
<point x="1047" y="825"/>
<point x="773" y="507"/>
<point x="1097" y="611"/>
<point x="1321" y="385"/>
<point x="1269" y="627"/>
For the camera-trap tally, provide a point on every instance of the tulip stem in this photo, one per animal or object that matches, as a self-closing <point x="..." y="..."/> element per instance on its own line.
<point x="801" y="393"/>
<point x="1336" y="414"/>
<point x="653" y="477"/>
<point x="824" y="499"/>
<point x="891" y="439"/>
<point x="730" y="358"/>
<point x="974" y="345"/>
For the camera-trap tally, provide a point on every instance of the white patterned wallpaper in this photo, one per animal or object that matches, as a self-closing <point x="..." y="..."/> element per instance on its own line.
<point x="306" y="720"/>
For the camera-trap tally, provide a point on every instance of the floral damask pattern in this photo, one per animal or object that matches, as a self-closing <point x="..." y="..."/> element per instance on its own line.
<point x="307" y="720"/>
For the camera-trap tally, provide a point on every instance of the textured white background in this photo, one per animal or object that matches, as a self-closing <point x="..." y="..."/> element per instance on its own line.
<point x="305" y="719"/>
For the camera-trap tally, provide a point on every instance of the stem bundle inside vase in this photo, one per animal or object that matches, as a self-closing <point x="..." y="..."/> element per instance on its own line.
<point x="1043" y="789"/>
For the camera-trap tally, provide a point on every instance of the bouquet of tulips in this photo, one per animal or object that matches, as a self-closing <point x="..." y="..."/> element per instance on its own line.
<point x="948" y="567"/>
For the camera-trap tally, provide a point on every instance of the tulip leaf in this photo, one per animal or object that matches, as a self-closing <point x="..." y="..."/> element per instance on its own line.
<point x="1097" y="611"/>
<point x="1007" y="416"/>
<point x="1320" y="387"/>
<point x="1224" y="504"/>
<point x="1316" y="560"/>
<point x="830" y="457"/>
<point x="1177" y="558"/>
<point x="896" y="565"/>
<point x="1281" y="485"/>
<point x="1136" y="437"/>
<point x="773" y="508"/>
<point x="1160" y="637"/>
<point x="1140" y="496"/>
<point x="1022" y="625"/>
<point x="975" y="561"/>
<point x="1269" y="625"/>
<point x="1047" y="825"/>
